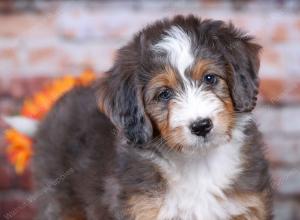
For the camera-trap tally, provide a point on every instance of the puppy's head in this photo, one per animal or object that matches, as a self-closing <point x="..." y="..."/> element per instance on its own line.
<point x="184" y="80"/>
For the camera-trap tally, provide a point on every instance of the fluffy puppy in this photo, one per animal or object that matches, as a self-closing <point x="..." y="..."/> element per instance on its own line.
<point x="167" y="134"/>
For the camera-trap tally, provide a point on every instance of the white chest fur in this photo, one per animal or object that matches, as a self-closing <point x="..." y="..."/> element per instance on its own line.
<point x="196" y="185"/>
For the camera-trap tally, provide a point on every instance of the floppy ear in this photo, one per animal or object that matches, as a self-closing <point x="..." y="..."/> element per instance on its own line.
<point x="243" y="57"/>
<point x="121" y="100"/>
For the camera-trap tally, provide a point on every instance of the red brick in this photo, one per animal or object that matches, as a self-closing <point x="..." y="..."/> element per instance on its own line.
<point x="21" y="25"/>
<point x="2" y="145"/>
<point x="41" y="55"/>
<point x="278" y="90"/>
<point x="8" y="106"/>
<point x="9" y="179"/>
<point x="36" y="84"/>
<point x="8" y="53"/>
<point x="271" y="89"/>
<point x="69" y="34"/>
<point x="270" y="55"/>
<point x="280" y="33"/>
<point x="13" y="25"/>
<point x="297" y="24"/>
<point x="17" y="208"/>
<point x="24" y="87"/>
<point x="17" y="89"/>
<point x="1" y="86"/>
<point x="6" y="177"/>
<point x="24" y="181"/>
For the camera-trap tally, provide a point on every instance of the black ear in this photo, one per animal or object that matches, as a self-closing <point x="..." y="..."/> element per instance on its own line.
<point x="243" y="58"/>
<point x="120" y="98"/>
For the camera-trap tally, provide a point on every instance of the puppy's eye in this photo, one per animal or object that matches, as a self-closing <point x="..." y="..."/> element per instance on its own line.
<point x="210" y="79"/>
<point x="165" y="95"/>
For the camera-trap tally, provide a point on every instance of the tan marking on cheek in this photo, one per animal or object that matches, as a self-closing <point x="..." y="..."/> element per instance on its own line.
<point x="164" y="124"/>
<point x="160" y="115"/>
<point x="174" y="139"/>
<point x="173" y="136"/>
<point x="227" y="116"/>
<point x="160" y="118"/>
<point x="142" y="207"/>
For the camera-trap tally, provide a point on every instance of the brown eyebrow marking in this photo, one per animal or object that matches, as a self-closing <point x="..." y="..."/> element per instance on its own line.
<point x="166" y="78"/>
<point x="201" y="67"/>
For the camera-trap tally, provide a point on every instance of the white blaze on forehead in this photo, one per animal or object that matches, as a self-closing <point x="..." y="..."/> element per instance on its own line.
<point x="177" y="44"/>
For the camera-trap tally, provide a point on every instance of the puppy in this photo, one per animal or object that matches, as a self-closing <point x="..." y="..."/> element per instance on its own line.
<point x="167" y="134"/>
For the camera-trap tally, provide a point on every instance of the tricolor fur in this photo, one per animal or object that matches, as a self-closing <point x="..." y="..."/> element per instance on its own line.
<point x="168" y="133"/>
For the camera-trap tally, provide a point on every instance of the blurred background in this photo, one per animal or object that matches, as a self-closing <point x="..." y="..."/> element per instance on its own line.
<point x="41" y="40"/>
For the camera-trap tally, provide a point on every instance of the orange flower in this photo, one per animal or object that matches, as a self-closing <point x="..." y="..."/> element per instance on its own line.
<point x="20" y="149"/>
<point x="86" y="78"/>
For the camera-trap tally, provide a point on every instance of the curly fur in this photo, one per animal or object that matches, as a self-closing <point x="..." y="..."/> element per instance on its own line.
<point x="132" y="155"/>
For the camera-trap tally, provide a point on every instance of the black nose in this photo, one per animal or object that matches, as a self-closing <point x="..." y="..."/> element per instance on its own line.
<point x="201" y="127"/>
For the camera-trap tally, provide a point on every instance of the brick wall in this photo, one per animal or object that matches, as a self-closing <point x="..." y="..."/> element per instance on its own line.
<point x="51" y="39"/>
